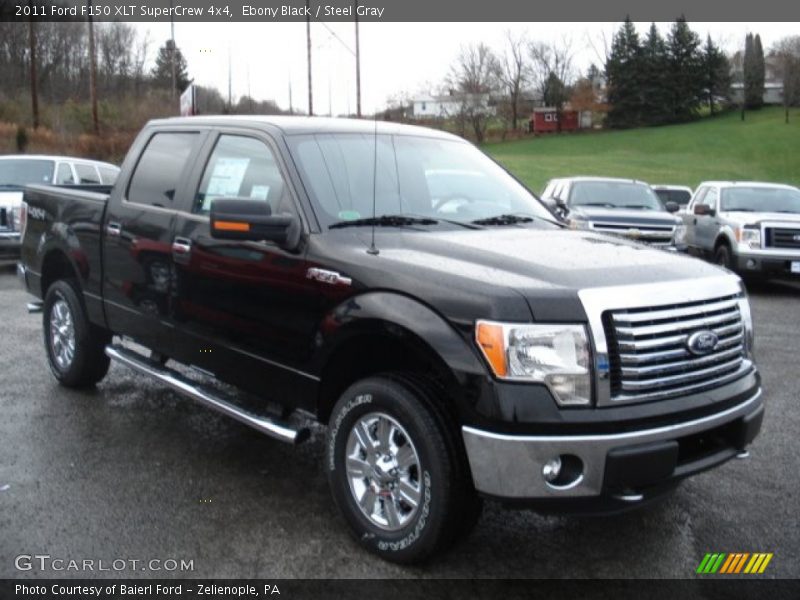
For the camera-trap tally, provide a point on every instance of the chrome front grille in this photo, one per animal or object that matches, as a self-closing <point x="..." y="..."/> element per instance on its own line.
<point x="648" y="351"/>
<point x="778" y="237"/>
<point x="651" y="234"/>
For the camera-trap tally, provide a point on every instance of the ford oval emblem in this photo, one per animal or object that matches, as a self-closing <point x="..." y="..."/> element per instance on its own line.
<point x="702" y="342"/>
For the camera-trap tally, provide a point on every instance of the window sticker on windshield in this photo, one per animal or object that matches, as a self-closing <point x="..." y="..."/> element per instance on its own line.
<point x="226" y="179"/>
<point x="259" y="192"/>
<point x="349" y="215"/>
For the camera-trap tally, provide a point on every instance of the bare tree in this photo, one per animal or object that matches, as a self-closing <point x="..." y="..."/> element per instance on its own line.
<point x="786" y="54"/>
<point x="552" y="73"/>
<point x="474" y="76"/>
<point x="514" y="73"/>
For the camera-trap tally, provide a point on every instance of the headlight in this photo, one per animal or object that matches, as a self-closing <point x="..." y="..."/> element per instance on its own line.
<point x="557" y="355"/>
<point x="747" y="321"/>
<point x="748" y="237"/>
<point x="679" y="237"/>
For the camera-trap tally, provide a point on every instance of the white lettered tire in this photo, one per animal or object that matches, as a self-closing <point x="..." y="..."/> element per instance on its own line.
<point x="395" y="470"/>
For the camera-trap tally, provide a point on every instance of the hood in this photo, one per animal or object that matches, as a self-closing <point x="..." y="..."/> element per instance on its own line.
<point x="753" y="218"/>
<point x="600" y="214"/>
<point x="10" y="199"/>
<point x="546" y="267"/>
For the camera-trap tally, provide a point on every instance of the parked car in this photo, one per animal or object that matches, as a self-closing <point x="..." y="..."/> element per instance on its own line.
<point x="622" y="207"/>
<point x="679" y="194"/>
<point x="16" y="171"/>
<point x="458" y="343"/>
<point x="752" y="228"/>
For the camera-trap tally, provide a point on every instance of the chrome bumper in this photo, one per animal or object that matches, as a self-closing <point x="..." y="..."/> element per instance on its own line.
<point x="510" y="466"/>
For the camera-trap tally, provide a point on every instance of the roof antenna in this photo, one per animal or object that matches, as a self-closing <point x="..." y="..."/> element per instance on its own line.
<point x="372" y="249"/>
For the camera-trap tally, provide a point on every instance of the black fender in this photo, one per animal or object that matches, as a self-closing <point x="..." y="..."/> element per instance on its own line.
<point x="401" y="319"/>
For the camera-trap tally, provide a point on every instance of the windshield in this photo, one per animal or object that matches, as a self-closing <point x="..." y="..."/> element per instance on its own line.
<point x="20" y="172"/>
<point x="614" y="194"/>
<point x="761" y="199"/>
<point x="680" y="197"/>
<point x="447" y="180"/>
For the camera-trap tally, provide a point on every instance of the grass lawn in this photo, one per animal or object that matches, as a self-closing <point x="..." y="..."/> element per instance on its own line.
<point x="761" y="148"/>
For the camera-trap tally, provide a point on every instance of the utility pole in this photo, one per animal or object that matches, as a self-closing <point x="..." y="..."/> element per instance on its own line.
<point x="230" y="83"/>
<point x="172" y="53"/>
<point x="308" y="47"/>
<point x="358" y="64"/>
<point x="34" y="94"/>
<point x="291" y="107"/>
<point x="93" y="73"/>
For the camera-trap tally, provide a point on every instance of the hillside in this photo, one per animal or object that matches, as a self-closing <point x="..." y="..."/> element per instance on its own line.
<point x="762" y="147"/>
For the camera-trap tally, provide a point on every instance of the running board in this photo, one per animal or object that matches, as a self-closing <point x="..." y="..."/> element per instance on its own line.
<point x="34" y="307"/>
<point x="185" y="386"/>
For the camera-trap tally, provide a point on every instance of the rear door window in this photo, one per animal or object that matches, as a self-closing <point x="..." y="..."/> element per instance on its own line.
<point x="161" y="168"/>
<point x="87" y="173"/>
<point x="64" y="175"/>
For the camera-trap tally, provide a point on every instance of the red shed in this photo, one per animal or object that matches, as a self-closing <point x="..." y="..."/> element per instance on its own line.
<point x="545" y="120"/>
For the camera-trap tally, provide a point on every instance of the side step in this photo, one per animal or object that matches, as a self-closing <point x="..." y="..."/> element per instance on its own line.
<point x="185" y="386"/>
<point x="34" y="307"/>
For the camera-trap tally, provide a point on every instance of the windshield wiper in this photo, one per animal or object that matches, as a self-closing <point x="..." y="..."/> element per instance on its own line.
<point x="10" y="186"/>
<point x="385" y="221"/>
<point x="605" y="204"/>
<point x="503" y="220"/>
<point x="639" y="206"/>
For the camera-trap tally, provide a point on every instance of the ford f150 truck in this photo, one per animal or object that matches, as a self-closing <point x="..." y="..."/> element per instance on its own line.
<point x="752" y="228"/>
<point x="458" y="342"/>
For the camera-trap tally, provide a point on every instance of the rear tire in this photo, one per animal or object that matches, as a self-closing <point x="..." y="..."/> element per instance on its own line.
<point x="394" y="471"/>
<point x="75" y="347"/>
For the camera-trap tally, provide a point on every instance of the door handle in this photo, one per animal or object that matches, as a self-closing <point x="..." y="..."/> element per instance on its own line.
<point x="114" y="229"/>
<point x="181" y="248"/>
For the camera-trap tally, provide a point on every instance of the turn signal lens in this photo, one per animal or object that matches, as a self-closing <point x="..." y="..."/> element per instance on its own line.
<point x="491" y="339"/>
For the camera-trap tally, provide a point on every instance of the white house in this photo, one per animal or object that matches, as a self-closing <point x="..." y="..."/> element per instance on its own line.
<point x="773" y="92"/>
<point x="449" y="105"/>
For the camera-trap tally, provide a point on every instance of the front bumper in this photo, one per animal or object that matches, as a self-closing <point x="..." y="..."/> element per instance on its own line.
<point x="10" y="245"/>
<point x="766" y="262"/>
<point x="621" y="464"/>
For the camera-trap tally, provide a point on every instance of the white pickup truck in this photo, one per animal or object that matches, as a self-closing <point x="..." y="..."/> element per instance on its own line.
<point x="752" y="228"/>
<point x="17" y="171"/>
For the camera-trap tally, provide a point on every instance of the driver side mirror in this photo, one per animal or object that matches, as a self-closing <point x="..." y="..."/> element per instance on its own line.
<point x="245" y="219"/>
<point x="672" y="207"/>
<point x="703" y="210"/>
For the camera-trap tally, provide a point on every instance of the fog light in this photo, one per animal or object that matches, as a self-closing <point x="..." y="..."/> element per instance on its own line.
<point x="751" y="264"/>
<point x="551" y="469"/>
<point x="563" y="472"/>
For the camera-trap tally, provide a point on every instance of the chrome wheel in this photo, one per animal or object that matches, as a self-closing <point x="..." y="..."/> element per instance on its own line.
<point x="384" y="471"/>
<point x="62" y="334"/>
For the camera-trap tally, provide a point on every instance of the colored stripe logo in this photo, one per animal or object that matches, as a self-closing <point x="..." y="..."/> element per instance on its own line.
<point x="734" y="563"/>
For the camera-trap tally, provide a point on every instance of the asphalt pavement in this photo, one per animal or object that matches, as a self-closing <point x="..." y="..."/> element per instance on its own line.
<point x="133" y="472"/>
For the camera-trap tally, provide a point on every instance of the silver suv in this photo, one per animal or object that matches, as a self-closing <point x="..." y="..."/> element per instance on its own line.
<point x="752" y="228"/>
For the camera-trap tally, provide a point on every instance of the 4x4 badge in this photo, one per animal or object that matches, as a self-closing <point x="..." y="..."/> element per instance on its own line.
<point x="326" y="276"/>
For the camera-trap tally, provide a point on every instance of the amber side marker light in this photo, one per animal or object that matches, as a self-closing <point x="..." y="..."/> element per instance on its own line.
<point x="231" y="226"/>
<point x="491" y="339"/>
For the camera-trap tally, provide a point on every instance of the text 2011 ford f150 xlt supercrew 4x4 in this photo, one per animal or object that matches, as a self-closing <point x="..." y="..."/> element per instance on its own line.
<point x="457" y="341"/>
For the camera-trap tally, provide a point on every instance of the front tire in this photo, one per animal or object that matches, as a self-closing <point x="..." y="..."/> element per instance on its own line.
<point x="75" y="347"/>
<point x="394" y="472"/>
<point x="722" y="257"/>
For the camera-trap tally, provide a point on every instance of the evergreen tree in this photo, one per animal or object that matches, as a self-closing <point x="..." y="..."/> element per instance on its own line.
<point x="684" y="71"/>
<point x="655" y="85"/>
<point x="716" y="72"/>
<point x="162" y="72"/>
<point x="622" y="78"/>
<point x="760" y="69"/>
<point x="753" y="93"/>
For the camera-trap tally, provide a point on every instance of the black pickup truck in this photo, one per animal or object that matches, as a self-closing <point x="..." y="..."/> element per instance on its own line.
<point x="457" y="341"/>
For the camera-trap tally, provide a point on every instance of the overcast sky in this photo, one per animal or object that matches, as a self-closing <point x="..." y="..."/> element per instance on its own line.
<point x="395" y="57"/>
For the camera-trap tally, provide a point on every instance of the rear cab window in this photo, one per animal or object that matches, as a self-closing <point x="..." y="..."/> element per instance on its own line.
<point x="87" y="173"/>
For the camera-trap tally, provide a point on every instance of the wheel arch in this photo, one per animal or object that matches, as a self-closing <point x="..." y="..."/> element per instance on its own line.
<point x="384" y="331"/>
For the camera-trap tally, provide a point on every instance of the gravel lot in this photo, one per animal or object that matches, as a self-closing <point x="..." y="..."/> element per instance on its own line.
<point x="132" y="471"/>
